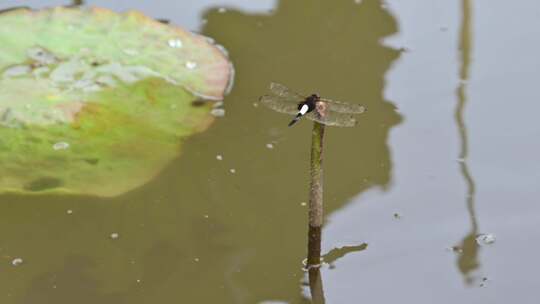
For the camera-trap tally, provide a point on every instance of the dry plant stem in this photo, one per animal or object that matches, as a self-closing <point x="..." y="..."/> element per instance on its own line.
<point x="316" y="188"/>
<point x="316" y="197"/>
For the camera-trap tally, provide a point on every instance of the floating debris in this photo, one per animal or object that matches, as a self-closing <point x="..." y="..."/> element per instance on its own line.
<point x="219" y="157"/>
<point x="196" y="259"/>
<point x="233" y="171"/>
<point x="69" y="211"/>
<point x="114" y="235"/>
<point x="303" y="204"/>
<point x="485" y="239"/>
<point x="62" y="145"/>
<point x="16" y="261"/>
<point x="397" y="216"/>
<point x="484" y="281"/>
<point x="456" y="249"/>
<point x="270" y="146"/>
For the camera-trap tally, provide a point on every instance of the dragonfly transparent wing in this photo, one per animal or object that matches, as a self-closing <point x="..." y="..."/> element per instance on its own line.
<point x="343" y="107"/>
<point x="282" y="99"/>
<point x="332" y="118"/>
<point x="279" y="104"/>
<point x="284" y="92"/>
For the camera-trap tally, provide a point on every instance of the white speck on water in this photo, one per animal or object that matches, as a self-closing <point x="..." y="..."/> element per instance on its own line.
<point x="233" y="171"/>
<point x="303" y="204"/>
<point x="255" y="104"/>
<point x="196" y="259"/>
<point x="358" y="1"/>
<point x="219" y="157"/>
<point x="114" y="235"/>
<point x="175" y="43"/>
<point x="138" y="280"/>
<point x="191" y="65"/>
<point x="485" y="239"/>
<point x="270" y="146"/>
<point x="218" y="112"/>
<point x="222" y="10"/>
<point x="16" y="261"/>
<point x="206" y="216"/>
<point x="69" y="211"/>
<point x="62" y="145"/>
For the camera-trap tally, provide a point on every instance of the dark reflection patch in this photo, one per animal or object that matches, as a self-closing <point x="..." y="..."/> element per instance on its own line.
<point x="44" y="183"/>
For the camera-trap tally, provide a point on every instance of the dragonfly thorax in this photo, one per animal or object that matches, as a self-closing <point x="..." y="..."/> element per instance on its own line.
<point x="310" y="102"/>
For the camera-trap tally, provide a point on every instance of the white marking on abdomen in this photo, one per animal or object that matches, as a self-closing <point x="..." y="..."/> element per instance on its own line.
<point x="303" y="109"/>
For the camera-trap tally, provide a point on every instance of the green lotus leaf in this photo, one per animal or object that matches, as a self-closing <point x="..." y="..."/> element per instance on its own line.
<point x="95" y="102"/>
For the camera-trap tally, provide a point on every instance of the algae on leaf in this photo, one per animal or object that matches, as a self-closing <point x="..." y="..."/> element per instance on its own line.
<point x="94" y="102"/>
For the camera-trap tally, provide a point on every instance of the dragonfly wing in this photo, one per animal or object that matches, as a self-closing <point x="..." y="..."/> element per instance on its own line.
<point x="279" y="104"/>
<point x="284" y="92"/>
<point x="332" y="118"/>
<point x="344" y="107"/>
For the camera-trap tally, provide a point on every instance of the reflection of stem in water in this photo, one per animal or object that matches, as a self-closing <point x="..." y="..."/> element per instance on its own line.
<point x="468" y="259"/>
<point x="314" y="273"/>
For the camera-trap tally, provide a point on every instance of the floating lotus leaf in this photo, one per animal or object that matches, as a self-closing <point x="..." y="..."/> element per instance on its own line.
<point x="94" y="102"/>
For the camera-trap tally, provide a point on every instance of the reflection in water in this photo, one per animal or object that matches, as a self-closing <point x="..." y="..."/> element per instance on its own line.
<point x="313" y="265"/>
<point x="468" y="255"/>
<point x="337" y="253"/>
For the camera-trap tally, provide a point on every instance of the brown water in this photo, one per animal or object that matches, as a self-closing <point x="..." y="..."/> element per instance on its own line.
<point x="447" y="151"/>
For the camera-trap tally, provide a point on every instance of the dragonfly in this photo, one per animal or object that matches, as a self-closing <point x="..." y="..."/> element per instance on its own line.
<point x="313" y="107"/>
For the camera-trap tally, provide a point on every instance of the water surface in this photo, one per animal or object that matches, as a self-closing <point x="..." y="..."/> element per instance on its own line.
<point x="446" y="151"/>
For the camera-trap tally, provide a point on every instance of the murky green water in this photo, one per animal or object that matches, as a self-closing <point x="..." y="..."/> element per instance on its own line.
<point x="447" y="151"/>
